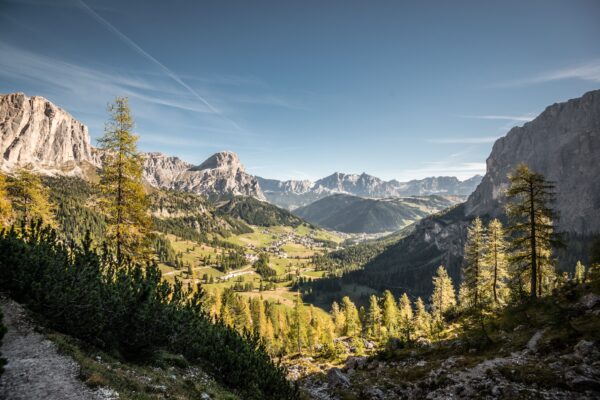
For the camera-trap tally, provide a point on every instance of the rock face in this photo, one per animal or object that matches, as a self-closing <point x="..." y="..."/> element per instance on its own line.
<point x="563" y="144"/>
<point x="37" y="134"/>
<point x="220" y="175"/>
<point x="293" y="194"/>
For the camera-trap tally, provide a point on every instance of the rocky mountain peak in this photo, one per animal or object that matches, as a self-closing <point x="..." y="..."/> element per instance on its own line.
<point x="222" y="160"/>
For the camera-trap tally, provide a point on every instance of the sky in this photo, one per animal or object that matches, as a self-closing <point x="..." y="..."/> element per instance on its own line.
<point x="301" y="89"/>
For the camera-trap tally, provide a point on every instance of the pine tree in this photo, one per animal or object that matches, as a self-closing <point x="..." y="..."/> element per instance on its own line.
<point x="473" y="270"/>
<point x="422" y="319"/>
<point x="579" y="272"/>
<point x="531" y="217"/>
<point x="495" y="260"/>
<point x="123" y="199"/>
<point x="338" y="318"/>
<point x="374" y="319"/>
<point x="353" y="326"/>
<point x="390" y="314"/>
<point x="259" y="318"/>
<point x="297" y="334"/>
<point x="406" y="318"/>
<point x="29" y="197"/>
<point x="443" y="297"/>
<point x="6" y="211"/>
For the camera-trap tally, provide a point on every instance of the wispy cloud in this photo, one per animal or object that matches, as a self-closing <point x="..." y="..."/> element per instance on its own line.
<point x="589" y="71"/>
<point x="464" y="140"/>
<point x="515" y="118"/>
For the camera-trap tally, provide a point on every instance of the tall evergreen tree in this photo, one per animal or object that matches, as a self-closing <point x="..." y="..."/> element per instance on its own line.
<point x="353" y="326"/>
<point x="29" y="197"/>
<point x="6" y="210"/>
<point x="374" y="319"/>
<point x="337" y="316"/>
<point x="390" y="314"/>
<point x="422" y="319"/>
<point x="123" y="199"/>
<point x="474" y="273"/>
<point x="297" y="333"/>
<point x="495" y="260"/>
<point x="406" y="318"/>
<point x="579" y="272"/>
<point x="443" y="297"/>
<point x="528" y="209"/>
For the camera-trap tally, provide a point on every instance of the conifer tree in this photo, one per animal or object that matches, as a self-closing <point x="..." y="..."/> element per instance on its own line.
<point x="374" y="319"/>
<point x="338" y="318"/>
<point x="314" y="329"/>
<point x="297" y="333"/>
<point x="123" y="199"/>
<point x="259" y="318"/>
<point x="422" y="319"/>
<point x="579" y="272"/>
<point x="6" y="210"/>
<point x="29" y="197"/>
<point x="495" y="260"/>
<point x="390" y="314"/>
<point x="474" y="273"/>
<point x="443" y="297"/>
<point x="406" y="318"/>
<point x="531" y="217"/>
<point x="353" y="326"/>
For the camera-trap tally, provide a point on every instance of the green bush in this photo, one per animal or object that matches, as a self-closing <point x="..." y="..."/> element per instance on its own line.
<point x="129" y="310"/>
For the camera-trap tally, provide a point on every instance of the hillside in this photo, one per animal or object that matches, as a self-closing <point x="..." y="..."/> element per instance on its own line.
<point x="256" y="212"/>
<point x="351" y="214"/>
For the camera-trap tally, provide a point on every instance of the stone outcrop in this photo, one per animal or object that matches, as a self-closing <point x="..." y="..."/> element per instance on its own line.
<point x="37" y="134"/>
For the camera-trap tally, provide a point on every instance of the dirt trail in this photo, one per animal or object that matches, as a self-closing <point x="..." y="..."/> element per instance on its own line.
<point x="35" y="369"/>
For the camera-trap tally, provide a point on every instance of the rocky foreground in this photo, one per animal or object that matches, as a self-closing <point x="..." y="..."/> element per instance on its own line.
<point x="553" y="355"/>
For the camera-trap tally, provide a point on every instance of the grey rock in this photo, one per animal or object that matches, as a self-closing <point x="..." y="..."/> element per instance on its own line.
<point x="589" y="301"/>
<point x="585" y="348"/>
<point x="337" y="378"/>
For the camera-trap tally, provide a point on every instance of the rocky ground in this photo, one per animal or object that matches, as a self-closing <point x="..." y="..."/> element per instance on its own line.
<point x="539" y="363"/>
<point x="35" y="369"/>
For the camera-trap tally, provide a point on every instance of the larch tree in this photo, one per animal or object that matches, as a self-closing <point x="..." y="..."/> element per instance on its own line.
<point x="338" y="318"/>
<point x="374" y="319"/>
<point x="579" y="272"/>
<point x="443" y="297"/>
<point x="405" y="320"/>
<point x="496" y="261"/>
<point x="298" y="333"/>
<point x="123" y="199"/>
<point x="474" y="273"/>
<point x="30" y="198"/>
<point x="353" y="326"/>
<point x="422" y="319"/>
<point x="531" y="224"/>
<point x="6" y="211"/>
<point x="390" y="314"/>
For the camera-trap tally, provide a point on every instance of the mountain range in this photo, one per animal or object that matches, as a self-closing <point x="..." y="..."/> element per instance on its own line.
<point x="353" y="214"/>
<point x="293" y="194"/>
<point x="37" y="134"/>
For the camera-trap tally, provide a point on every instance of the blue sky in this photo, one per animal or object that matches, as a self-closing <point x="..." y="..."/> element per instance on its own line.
<point x="300" y="89"/>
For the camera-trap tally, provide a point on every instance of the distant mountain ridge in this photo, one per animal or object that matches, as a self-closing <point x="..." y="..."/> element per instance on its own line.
<point x="353" y="214"/>
<point x="294" y="194"/>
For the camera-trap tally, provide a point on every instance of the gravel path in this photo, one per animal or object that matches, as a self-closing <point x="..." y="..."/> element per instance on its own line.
<point x="35" y="369"/>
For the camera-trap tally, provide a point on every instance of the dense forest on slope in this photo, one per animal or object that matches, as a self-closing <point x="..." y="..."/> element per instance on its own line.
<point x="256" y="212"/>
<point x="352" y="214"/>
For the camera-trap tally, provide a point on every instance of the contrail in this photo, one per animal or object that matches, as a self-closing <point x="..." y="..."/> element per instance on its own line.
<point x="153" y="60"/>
